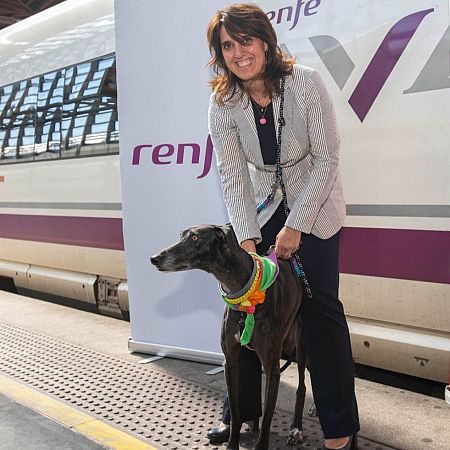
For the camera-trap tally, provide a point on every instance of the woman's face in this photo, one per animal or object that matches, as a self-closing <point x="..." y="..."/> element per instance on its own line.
<point x="246" y="60"/>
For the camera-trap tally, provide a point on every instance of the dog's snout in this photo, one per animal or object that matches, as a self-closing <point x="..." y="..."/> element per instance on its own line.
<point x="154" y="260"/>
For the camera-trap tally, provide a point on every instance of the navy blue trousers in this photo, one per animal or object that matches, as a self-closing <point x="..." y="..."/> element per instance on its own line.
<point x="325" y="334"/>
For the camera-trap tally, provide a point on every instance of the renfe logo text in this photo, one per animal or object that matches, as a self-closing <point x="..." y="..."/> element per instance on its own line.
<point x="289" y="14"/>
<point x="163" y="154"/>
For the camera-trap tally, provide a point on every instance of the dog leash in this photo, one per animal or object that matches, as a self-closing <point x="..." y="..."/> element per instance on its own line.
<point x="278" y="182"/>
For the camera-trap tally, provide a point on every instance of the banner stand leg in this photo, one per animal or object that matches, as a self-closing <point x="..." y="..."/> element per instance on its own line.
<point x="149" y="360"/>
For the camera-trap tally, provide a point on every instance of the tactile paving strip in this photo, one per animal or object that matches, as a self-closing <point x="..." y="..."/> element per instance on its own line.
<point x="165" y="411"/>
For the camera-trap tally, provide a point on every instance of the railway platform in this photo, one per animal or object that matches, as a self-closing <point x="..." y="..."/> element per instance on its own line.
<point x="67" y="381"/>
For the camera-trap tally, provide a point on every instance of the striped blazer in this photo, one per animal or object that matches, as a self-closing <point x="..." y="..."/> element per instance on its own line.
<point x="309" y="158"/>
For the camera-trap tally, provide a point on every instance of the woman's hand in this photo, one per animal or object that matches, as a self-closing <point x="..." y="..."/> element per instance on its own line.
<point x="287" y="242"/>
<point x="249" y="245"/>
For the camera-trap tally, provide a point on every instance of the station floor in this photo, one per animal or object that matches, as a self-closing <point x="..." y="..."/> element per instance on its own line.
<point x="67" y="381"/>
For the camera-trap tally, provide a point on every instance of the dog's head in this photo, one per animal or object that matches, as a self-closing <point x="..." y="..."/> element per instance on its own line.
<point x="199" y="247"/>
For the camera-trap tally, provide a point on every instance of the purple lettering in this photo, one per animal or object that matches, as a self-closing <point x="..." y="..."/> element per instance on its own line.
<point x="195" y="153"/>
<point x="297" y="13"/>
<point x="280" y="14"/>
<point x="162" y="154"/>
<point x="309" y="7"/>
<point x="157" y="154"/>
<point x="271" y="15"/>
<point x="286" y="13"/>
<point x="137" y="153"/>
<point x="208" y="157"/>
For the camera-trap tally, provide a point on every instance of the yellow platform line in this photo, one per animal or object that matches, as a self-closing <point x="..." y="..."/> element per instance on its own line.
<point x="56" y="410"/>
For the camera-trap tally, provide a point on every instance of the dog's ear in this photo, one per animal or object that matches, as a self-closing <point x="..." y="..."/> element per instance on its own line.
<point x="230" y="238"/>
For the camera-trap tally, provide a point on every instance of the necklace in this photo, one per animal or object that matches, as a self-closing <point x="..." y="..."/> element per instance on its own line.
<point x="262" y="119"/>
<point x="261" y="109"/>
<point x="262" y="112"/>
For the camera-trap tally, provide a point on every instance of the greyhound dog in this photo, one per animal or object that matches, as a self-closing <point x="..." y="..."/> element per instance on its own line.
<point x="277" y="328"/>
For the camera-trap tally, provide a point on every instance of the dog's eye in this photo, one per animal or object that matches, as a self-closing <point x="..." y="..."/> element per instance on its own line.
<point x="194" y="237"/>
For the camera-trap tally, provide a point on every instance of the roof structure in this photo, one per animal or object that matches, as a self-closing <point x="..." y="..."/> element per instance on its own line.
<point x="12" y="11"/>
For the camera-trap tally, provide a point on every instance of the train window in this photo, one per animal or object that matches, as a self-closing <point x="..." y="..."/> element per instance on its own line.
<point x="66" y="113"/>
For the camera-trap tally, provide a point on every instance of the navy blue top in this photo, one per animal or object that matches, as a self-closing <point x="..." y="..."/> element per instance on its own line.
<point x="266" y="133"/>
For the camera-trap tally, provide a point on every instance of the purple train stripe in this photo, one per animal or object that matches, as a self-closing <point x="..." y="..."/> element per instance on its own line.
<point x="419" y="255"/>
<point x="383" y="62"/>
<point x="99" y="232"/>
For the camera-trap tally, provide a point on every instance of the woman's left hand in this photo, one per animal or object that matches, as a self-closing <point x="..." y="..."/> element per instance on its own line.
<point x="287" y="242"/>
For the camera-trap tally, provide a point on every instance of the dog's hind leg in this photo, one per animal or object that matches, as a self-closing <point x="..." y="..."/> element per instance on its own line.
<point x="296" y="432"/>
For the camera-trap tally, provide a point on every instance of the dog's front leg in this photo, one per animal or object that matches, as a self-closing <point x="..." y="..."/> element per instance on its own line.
<point x="272" y="369"/>
<point x="232" y="378"/>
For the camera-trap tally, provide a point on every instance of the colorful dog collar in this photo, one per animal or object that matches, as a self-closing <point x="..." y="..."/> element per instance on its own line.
<point x="266" y="272"/>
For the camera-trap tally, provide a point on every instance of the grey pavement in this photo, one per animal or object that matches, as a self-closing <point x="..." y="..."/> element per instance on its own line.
<point x="394" y="417"/>
<point x="24" y="429"/>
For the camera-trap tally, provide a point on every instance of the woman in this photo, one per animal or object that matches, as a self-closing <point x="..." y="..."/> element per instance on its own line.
<point x="253" y="83"/>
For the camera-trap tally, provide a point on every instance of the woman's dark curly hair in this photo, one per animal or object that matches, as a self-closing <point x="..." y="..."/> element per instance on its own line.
<point x="241" y="20"/>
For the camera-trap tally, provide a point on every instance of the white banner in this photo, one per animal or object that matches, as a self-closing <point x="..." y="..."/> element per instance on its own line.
<point x="169" y="179"/>
<point x="387" y="70"/>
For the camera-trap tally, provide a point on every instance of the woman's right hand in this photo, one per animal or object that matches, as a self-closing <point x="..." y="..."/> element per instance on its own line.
<point x="249" y="245"/>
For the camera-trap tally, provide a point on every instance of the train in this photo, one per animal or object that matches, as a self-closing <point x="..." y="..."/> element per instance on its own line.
<point x="60" y="192"/>
<point x="61" y="199"/>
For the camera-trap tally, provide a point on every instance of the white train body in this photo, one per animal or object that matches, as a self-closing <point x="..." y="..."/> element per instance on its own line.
<point x="61" y="216"/>
<point x="60" y="197"/>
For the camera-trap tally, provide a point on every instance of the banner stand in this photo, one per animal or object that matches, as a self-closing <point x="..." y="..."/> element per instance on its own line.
<point x="176" y="352"/>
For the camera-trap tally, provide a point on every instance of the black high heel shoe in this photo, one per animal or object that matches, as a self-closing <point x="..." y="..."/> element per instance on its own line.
<point x="219" y="435"/>
<point x="351" y="444"/>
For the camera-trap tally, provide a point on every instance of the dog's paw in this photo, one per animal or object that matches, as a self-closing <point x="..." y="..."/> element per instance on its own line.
<point x="312" y="412"/>
<point x="295" y="437"/>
